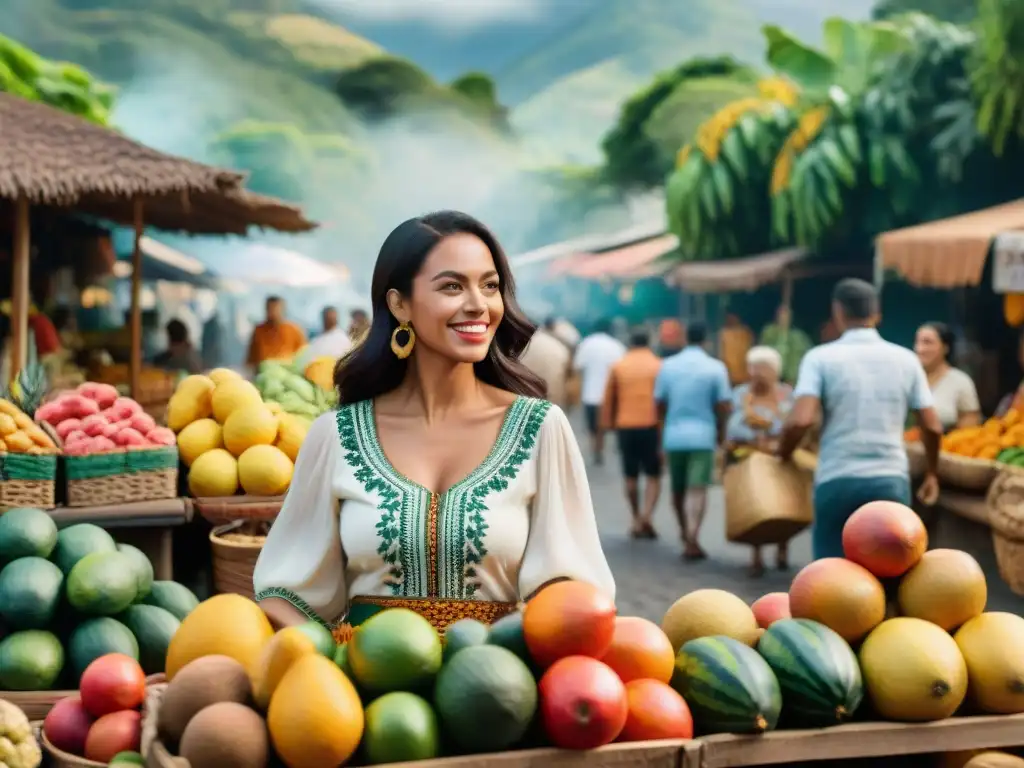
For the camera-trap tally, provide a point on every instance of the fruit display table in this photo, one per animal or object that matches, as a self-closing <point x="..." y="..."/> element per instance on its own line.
<point x="862" y="740"/>
<point x="649" y="754"/>
<point x="148" y="525"/>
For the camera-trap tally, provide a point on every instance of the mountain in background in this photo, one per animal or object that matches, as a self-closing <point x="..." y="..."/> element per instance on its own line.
<point x="567" y="71"/>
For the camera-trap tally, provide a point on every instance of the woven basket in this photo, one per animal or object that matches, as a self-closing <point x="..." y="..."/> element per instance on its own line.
<point x="766" y="501"/>
<point x="966" y="473"/>
<point x="153" y="750"/>
<point x="229" y="509"/>
<point x="58" y="758"/>
<point x="1005" y="504"/>
<point x="27" y="480"/>
<point x="234" y="559"/>
<point x="119" y="476"/>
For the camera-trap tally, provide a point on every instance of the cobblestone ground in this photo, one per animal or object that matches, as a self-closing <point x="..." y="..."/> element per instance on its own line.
<point x="651" y="575"/>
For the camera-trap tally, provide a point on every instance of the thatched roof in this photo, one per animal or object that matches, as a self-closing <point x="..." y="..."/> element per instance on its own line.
<point x="56" y="159"/>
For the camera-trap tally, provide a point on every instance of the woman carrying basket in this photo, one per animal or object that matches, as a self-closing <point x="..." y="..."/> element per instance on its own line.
<point x="443" y="483"/>
<point x="759" y="410"/>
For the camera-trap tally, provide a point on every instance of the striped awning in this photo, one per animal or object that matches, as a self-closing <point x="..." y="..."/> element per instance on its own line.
<point x="735" y="275"/>
<point x="949" y="253"/>
<point x="629" y="262"/>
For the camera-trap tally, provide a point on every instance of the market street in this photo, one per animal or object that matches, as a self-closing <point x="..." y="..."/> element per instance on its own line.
<point x="651" y="575"/>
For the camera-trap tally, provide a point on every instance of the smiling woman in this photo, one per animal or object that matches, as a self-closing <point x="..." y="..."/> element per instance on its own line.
<point x="443" y="483"/>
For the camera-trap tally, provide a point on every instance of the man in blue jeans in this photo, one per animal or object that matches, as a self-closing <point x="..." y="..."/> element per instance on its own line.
<point x="863" y="387"/>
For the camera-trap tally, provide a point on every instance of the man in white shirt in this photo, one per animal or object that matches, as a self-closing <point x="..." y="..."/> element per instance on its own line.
<point x="333" y="342"/>
<point x="594" y="358"/>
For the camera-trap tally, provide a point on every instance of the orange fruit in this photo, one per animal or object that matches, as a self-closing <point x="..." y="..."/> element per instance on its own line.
<point x="656" y="711"/>
<point x="568" y="618"/>
<point x="640" y="649"/>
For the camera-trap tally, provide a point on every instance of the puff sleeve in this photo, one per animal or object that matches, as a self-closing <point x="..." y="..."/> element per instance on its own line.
<point x="302" y="560"/>
<point x="563" y="540"/>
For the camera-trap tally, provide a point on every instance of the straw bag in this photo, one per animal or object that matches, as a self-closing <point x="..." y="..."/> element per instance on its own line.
<point x="966" y="473"/>
<point x="1005" y="504"/>
<point x="236" y="548"/>
<point x="767" y="501"/>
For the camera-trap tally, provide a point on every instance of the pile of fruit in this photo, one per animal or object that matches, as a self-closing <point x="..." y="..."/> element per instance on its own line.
<point x="810" y="657"/>
<point x="19" y="434"/>
<point x="103" y="722"/>
<point x="289" y="387"/>
<point x="94" y="419"/>
<point x="565" y="671"/>
<point x="231" y="439"/>
<point x="999" y="439"/>
<point x="70" y="597"/>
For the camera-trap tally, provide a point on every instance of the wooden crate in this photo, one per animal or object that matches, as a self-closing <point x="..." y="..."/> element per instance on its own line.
<point x="862" y="740"/>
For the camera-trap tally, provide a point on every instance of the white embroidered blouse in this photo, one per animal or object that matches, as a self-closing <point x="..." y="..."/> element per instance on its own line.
<point x="351" y="525"/>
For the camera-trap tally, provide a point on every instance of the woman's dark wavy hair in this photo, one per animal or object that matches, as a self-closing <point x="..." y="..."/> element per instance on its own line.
<point x="372" y="369"/>
<point x="946" y="337"/>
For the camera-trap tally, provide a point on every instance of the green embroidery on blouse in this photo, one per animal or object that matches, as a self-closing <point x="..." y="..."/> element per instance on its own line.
<point x="356" y="434"/>
<point x="297" y="602"/>
<point x="465" y="506"/>
<point x="404" y="524"/>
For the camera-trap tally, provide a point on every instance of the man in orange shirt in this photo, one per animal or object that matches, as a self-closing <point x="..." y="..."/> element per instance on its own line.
<point x="276" y="338"/>
<point x="630" y="409"/>
<point x="734" y="341"/>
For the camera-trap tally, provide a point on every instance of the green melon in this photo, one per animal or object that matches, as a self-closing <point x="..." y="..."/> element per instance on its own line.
<point x="729" y="687"/>
<point x="817" y="671"/>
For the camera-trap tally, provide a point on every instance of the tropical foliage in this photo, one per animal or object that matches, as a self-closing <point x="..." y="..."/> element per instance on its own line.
<point x="875" y="129"/>
<point x="57" y="83"/>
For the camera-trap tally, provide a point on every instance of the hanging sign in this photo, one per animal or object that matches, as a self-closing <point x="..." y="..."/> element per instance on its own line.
<point x="1008" y="263"/>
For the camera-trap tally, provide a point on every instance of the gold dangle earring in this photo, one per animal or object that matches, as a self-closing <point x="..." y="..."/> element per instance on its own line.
<point x="402" y="351"/>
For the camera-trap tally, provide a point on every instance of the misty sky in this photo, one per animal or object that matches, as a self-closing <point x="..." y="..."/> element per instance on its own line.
<point x="457" y="15"/>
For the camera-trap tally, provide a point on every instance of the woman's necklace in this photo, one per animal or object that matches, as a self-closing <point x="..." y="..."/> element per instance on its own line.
<point x="750" y="415"/>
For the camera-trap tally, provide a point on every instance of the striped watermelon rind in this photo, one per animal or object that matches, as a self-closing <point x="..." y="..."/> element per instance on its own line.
<point x="817" y="671"/>
<point x="729" y="687"/>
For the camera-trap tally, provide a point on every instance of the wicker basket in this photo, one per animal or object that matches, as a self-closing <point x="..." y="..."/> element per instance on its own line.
<point x="1005" y="504"/>
<point x="229" y="509"/>
<point x="766" y="501"/>
<point x="112" y="478"/>
<point x="967" y="473"/>
<point x="153" y="750"/>
<point x="236" y="548"/>
<point x="58" y="758"/>
<point x="27" y="480"/>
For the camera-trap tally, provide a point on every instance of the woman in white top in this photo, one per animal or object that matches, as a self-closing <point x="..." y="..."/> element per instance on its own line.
<point x="956" y="398"/>
<point x="443" y="483"/>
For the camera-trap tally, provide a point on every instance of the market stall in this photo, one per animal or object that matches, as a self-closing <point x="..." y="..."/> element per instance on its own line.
<point x="953" y="254"/>
<point x="825" y="672"/>
<point x="52" y="161"/>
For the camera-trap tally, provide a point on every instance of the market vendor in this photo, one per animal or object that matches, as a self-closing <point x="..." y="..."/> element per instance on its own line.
<point x="863" y="387"/>
<point x="759" y="409"/>
<point x="443" y="483"/>
<point x="956" y="398"/>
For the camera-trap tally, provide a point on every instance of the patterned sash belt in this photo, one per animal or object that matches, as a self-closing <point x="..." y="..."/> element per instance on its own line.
<point x="439" y="612"/>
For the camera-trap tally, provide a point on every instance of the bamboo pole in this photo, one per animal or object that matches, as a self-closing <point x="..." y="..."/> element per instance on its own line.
<point x="20" y="299"/>
<point x="135" y="364"/>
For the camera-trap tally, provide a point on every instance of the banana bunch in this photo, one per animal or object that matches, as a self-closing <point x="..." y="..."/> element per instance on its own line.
<point x="713" y="131"/>
<point x="819" y="161"/>
<point x="717" y="198"/>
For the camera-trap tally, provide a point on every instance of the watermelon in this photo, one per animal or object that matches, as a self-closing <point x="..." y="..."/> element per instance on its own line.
<point x="817" y="671"/>
<point x="729" y="687"/>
